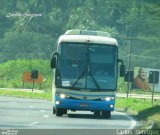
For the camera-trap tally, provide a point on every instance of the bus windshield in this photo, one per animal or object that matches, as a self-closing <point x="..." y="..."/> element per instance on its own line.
<point x="87" y="66"/>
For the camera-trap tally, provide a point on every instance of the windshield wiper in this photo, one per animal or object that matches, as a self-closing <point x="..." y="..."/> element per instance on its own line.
<point x="94" y="80"/>
<point x="87" y="72"/>
<point x="90" y="74"/>
<point x="79" y="77"/>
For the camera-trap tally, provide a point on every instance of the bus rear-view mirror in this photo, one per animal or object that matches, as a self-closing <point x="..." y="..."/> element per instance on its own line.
<point x="54" y="60"/>
<point x="122" y="70"/>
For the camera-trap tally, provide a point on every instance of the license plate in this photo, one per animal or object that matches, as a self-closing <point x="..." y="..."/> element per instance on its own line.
<point x="83" y="105"/>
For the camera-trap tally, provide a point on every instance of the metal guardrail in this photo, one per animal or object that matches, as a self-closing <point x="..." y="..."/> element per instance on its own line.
<point x="123" y="95"/>
<point x="156" y="97"/>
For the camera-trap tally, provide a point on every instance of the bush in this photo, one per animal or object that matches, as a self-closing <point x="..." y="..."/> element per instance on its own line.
<point x="12" y="72"/>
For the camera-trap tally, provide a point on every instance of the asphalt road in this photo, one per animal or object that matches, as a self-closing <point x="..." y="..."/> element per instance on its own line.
<point x="30" y="116"/>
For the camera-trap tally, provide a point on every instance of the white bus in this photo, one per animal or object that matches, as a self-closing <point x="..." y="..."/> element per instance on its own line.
<point x="85" y="68"/>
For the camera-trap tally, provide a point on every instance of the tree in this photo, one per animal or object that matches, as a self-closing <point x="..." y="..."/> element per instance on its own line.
<point x="26" y="45"/>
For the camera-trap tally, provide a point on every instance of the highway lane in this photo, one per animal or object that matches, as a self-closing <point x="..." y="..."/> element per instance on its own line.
<point x="23" y="113"/>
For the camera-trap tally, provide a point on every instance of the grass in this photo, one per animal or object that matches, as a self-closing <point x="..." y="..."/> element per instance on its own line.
<point x="142" y="109"/>
<point x="46" y="95"/>
<point x="133" y="104"/>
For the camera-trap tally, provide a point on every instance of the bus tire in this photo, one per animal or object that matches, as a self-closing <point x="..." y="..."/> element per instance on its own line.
<point x="64" y="111"/>
<point x="96" y="113"/>
<point x="54" y="110"/>
<point x="59" y="112"/>
<point x="106" y="114"/>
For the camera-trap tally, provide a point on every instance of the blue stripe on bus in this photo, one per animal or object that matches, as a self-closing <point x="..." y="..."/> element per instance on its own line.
<point x="85" y="104"/>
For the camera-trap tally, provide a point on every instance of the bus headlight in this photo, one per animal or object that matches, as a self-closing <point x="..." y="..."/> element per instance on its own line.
<point x="107" y="98"/>
<point x="62" y="95"/>
<point x="111" y="106"/>
<point x="57" y="102"/>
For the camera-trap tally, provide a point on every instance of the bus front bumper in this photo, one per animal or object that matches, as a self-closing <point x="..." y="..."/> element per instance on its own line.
<point x="88" y="105"/>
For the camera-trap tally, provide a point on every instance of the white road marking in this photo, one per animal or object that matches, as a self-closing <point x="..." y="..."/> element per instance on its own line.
<point x="46" y="116"/>
<point x="133" y="122"/>
<point x="30" y="106"/>
<point x="34" y="123"/>
<point x="42" y="110"/>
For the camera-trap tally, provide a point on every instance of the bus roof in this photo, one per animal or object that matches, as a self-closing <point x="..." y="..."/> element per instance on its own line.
<point x="78" y="36"/>
<point x="87" y="32"/>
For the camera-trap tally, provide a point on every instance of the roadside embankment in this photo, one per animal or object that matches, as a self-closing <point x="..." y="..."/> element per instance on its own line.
<point x="142" y="109"/>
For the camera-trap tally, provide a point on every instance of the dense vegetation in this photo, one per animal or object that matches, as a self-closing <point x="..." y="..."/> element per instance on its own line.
<point x="12" y="73"/>
<point x="29" y="30"/>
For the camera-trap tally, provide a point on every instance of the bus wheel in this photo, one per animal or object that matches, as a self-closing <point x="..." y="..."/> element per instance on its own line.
<point x="64" y="111"/>
<point x="59" y="112"/>
<point x="106" y="114"/>
<point x="54" y="110"/>
<point x="96" y="113"/>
